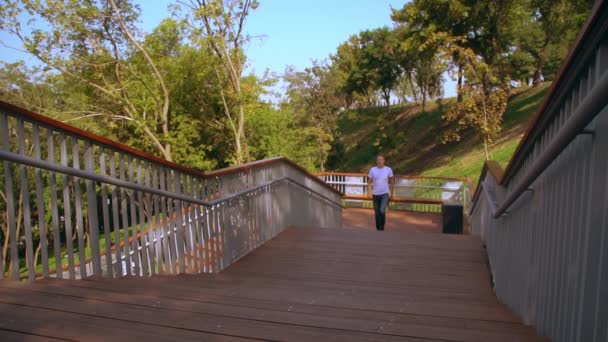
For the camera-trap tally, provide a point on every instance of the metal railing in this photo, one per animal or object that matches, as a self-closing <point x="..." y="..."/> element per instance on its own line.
<point x="545" y="219"/>
<point x="75" y="204"/>
<point x="415" y="193"/>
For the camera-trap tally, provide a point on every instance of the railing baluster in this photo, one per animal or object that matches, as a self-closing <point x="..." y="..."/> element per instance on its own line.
<point x="10" y="204"/>
<point x="161" y="218"/>
<point x="200" y="212"/>
<point x="89" y="162"/>
<point x="142" y="224"/>
<point x="54" y="206"/>
<point x="115" y="215"/>
<point x="149" y="214"/>
<point x="191" y="224"/>
<point x="125" y="216"/>
<point x="171" y="225"/>
<point x="67" y="208"/>
<point x="106" y="214"/>
<point x="201" y="219"/>
<point x="27" y="215"/>
<point x="133" y="241"/>
<point x="78" y="209"/>
<point x="179" y="215"/>
<point x="44" y="243"/>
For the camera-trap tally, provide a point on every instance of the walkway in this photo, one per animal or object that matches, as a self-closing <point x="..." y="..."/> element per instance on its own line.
<point x="396" y="221"/>
<point x="304" y="285"/>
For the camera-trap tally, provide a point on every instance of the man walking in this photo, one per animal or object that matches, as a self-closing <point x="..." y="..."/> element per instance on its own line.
<point x="380" y="183"/>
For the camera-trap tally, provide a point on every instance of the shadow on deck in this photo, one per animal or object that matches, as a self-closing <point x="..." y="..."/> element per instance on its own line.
<point x="303" y="285"/>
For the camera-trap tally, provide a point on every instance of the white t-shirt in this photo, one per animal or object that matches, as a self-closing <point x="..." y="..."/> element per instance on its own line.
<point x="380" y="178"/>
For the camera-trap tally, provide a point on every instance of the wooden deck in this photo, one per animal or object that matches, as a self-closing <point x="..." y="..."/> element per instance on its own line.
<point x="304" y="285"/>
<point x="396" y="221"/>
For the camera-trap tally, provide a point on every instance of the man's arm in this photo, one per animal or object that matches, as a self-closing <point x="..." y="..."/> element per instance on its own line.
<point x="370" y="180"/>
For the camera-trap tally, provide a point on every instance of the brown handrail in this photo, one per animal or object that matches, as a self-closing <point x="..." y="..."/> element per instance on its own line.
<point x="71" y="130"/>
<point x="356" y="174"/>
<point x="495" y="170"/>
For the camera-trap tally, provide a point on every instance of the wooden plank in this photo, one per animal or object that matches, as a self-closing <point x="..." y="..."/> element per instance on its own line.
<point x="9" y="335"/>
<point x="86" y="327"/>
<point x="185" y="319"/>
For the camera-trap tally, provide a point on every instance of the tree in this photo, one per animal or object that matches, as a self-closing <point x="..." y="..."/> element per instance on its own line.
<point x="484" y="102"/>
<point x="420" y="20"/>
<point x="378" y="60"/>
<point x="91" y="44"/>
<point x="553" y="25"/>
<point x="219" y="24"/>
<point x="314" y="99"/>
<point x="367" y="63"/>
<point x="420" y="63"/>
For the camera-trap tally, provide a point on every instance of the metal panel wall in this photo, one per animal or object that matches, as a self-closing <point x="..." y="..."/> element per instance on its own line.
<point x="549" y="252"/>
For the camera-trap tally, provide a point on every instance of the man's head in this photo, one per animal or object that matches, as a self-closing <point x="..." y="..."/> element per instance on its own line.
<point x="380" y="160"/>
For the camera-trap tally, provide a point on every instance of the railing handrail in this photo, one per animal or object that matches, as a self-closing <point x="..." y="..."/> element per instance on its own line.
<point x="361" y="174"/>
<point x="74" y="131"/>
<point x="21" y="159"/>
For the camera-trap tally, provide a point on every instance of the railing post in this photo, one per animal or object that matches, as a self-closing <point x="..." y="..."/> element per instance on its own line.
<point x="25" y="196"/>
<point x="78" y="209"/>
<point x="106" y="214"/>
<point x="92" y="210"/>
<point x="44" y="252"/>
<point x="67" y="210"/>
<point x="10" y="204"/>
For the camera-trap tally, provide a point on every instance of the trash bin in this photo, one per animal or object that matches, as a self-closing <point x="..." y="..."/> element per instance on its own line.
<point x="452" y="218"/>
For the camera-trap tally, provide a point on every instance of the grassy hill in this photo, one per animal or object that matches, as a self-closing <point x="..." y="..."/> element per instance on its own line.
<point x="411" y="139"/>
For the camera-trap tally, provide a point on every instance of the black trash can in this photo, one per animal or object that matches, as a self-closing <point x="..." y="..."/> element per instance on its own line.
<point x="452" y="218"/>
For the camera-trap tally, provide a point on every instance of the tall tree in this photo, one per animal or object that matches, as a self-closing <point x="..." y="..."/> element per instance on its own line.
<point x="315" y="103"/>
<point x="220" y="24"/>
<point x="484" y="102"/>
<point x="91" y="44"/>
<point x="554" y="24"/>
<point x="379" y="60"/>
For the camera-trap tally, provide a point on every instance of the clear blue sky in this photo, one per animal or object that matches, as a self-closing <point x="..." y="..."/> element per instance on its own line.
<point x="291" y="32"/>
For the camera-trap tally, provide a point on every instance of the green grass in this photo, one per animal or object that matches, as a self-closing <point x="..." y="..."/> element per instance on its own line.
<point x="411" y="139"/>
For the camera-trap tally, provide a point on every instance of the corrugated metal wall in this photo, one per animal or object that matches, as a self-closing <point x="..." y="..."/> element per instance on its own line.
<point x="549" y="253"/>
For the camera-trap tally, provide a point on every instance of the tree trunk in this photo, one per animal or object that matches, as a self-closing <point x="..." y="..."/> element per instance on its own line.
<point x="485" y="147"/>
<point x="423" y="101"/>
<point x="243" y="140"/>
<point x="540" y="63"/>
<point x="459" y="87"/>
<point x="387" y="99"/>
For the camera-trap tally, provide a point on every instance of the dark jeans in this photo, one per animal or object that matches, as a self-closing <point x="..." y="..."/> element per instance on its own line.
<point x="380" y="205"/>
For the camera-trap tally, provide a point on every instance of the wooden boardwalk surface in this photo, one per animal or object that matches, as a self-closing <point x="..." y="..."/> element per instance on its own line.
<point x="396" y="221"/>
<point x="304" y="285"/>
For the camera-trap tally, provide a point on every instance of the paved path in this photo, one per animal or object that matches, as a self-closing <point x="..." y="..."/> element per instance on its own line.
<point x="304" y="285"/>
